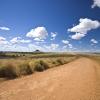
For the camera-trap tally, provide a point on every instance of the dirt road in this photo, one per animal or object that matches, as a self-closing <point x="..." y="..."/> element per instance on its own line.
<point x="78" y="80"/>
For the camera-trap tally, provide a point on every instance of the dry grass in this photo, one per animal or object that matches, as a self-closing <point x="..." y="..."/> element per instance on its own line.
<point x="13" y="68"/>
<point x="95" y="57"/>
<point x="18" y="67"/>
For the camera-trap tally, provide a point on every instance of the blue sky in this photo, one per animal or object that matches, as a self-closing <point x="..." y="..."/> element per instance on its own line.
<point x="50" y="25"/>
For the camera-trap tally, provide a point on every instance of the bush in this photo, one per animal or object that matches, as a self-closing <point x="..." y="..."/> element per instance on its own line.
<point x="60" y="61"/>
<point x="25" y="69"/>
<point x="40" y="66"/>
<point x="13" y="68"/>
<point x="54" y="62"/>
<point x="12" y="71"/>
<point x="8" y="71"/>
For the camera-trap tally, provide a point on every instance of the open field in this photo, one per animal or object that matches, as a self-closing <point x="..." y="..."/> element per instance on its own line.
<point x="14" y="65"/>
<point x="76" y="78"/>
<point x="19" y="64"/>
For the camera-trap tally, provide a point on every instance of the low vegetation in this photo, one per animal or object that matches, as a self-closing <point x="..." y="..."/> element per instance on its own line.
<point x="11" y="68"/>
<point x="15" y="65"/>
<point x="94" y="56"/>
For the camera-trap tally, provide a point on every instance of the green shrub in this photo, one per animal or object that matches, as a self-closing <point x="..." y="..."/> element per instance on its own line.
<point x="54" y="62"/>
<point x="8" y="71"/>
<point x="17" y="67"/>
<point x="40" y="66"/>
<point x="60" y="61"/>
<point x="25" y="69"/>
<point x="11" y="70"/>
<point x="43" y="63"/>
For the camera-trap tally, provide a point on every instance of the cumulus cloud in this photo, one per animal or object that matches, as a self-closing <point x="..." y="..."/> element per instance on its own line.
<point x="65" y="41"/>
<point x="34" y="47"/>
<point x="54" y="46"/>
<point x="39" y="33"/>
<point x="2" y="38"/>
<point x="16" y="40"/>
<point x="70" y="45"/>
<point x="14" y="45"/>
<point x="25" y="41"/>
<point x="18" y="48"/>
<point x="83" y="27"/>
<point x="67" y="44"/>
<point x="64" y="47"/>
<point x="4" y="28"/>
<point x="96" y="3"/>
<point x="53" y="35"/>
<point x="77" y="36"/>
<point x="94" y="41"/>
<point x="3" y="41"/>
<point x="38" y="39"/>
<point x="51" y="47"/>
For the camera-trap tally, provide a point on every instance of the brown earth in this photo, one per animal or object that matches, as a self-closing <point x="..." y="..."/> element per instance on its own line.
<point x="78" y="80"/>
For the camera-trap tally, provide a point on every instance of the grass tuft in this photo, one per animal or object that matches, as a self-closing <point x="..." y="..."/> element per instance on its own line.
<point x="17" y="67"/>
<point x="40" y="66"/>
<point x="9" y="72"/>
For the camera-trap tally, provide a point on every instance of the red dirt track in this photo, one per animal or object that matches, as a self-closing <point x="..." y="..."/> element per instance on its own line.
<point x="78" y="80"/>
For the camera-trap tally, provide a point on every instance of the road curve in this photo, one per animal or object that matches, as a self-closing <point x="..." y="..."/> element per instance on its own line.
<point x="77" y="80"/>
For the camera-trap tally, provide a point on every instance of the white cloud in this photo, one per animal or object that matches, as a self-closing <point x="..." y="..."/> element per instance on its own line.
<point x="64" y="47"/>
<point x="65" y="41"/>
<point x="3" y="41"/>
<point x="16" y="40"/>
<point x="39" y="33"/>
<point x="14" y="45"/>
<point x="96" y="3"/>
<point x="34" y="47"/>
<point x="51" y="47"/>
<point x="54" y="46"/>
<point x="77" y="36"/>
<point x="2" y="38"/>
<point x="94" y="41"/>
<point x="68" y="48"/>
<point x="83" y="27"/>
<point x="53" y="35"/>
<point x="24" y="41"/>
<point x="17" y="48"/>
<point x="67" y="44"/>
<point x="4" y="28"/>
<point x="38" y="39"/>
<point x="70" y="45"/>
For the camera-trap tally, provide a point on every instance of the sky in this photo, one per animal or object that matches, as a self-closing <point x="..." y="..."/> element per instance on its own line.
<point x="50" y="25"/>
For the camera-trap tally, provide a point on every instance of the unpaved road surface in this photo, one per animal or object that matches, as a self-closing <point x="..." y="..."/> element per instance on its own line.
<point x="78" y="80"/>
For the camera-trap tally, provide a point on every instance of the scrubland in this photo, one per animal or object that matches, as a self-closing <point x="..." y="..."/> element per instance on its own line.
<point x="62" y="81"/>
<point x="14" y="65"/>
